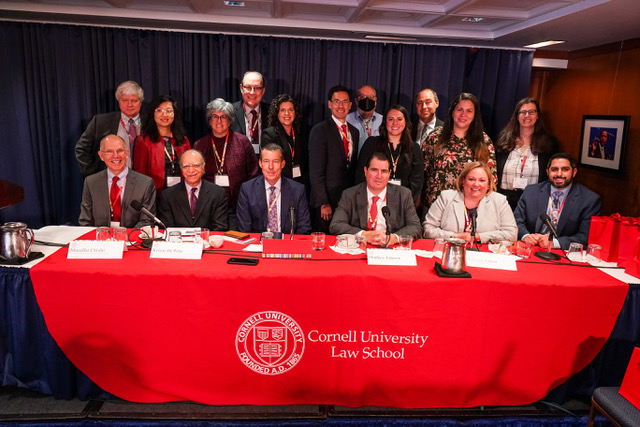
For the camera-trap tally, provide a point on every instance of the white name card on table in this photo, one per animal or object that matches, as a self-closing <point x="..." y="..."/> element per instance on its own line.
<point x="492" y="261"/>
<point x="176" y="250"/>
<point x="391" y="257"/>
<point x="94" y="249"/>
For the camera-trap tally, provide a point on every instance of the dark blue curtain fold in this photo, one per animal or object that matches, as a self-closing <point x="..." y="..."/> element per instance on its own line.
<point x="56" y="77"/>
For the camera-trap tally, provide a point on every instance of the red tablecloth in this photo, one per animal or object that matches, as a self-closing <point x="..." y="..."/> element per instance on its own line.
<point x="324" y="332"/>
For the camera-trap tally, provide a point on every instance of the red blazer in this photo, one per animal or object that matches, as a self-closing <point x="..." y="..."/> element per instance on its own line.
<point x="149" y="158"/>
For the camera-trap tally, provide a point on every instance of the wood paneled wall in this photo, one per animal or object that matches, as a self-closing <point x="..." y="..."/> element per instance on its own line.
<point x="598" y="81"/>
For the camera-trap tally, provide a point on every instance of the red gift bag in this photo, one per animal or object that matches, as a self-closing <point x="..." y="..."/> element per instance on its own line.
<point x="604" y="231"/>
<point x="630" y="388"/>
<point x="628" y="236"/>
<point x="632" y="266"/>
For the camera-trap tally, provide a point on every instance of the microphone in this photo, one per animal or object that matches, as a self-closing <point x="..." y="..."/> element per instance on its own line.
<point x="135" y="204"/>
<point x="386" y="213"/>
<point x="292" y="216"/>
<point x="548" y="256"/>
<point x="473" y="215"/>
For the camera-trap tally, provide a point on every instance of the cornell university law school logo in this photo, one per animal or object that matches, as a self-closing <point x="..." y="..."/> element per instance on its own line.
<point x="270" y="342"/>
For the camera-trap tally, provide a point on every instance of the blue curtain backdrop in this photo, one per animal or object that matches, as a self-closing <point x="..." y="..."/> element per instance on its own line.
<point x="56" y="77"/>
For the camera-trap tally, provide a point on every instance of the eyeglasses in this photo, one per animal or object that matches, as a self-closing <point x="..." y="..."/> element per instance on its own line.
<point x="252" y="88"/>
<point x="338" y="102"/>
<point x="222" y="118"/>
<point x="110" y="153"/>
<point x="528" y="112"/>
<point x="193" y="165"/>
<point x="163" y="112"/>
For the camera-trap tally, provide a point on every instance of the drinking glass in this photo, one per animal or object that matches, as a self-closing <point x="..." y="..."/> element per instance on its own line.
<point x="404" y="242"/>
<point x="523" y="249"/>
<point x="120" y="234"/>
<point x="438" y="245"/>
<point x="593" y="253"/>
<point x="103" y="233"/>
<point x="575" y="252"/>
<point x="317" y="240"/>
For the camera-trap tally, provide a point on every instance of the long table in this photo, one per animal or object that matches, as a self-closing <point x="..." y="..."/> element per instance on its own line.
<point x="331" y="330"/>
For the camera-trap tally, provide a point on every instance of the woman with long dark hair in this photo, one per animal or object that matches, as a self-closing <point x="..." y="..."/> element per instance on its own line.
<point x="523" y="150"/>
<point x="395" y="142"/>
<point x="449" y="148"/>
<point x="161" y="142"/>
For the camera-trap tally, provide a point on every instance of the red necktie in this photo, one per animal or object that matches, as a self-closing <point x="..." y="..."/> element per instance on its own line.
<point x="345" y="141"/>
<point x="192" y="202"/>
<point x="115" y="200"/>
<point x="373" y="213"/>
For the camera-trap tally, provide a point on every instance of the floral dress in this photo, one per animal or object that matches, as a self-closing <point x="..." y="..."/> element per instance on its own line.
<point x="442" y="168"/>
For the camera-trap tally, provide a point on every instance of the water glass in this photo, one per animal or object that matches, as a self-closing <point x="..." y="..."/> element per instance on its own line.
<point x="505" y="247"/>
<point x="361" y="241"/>
<point x="317" y="240"/>
<point x="438" y="245"/>
<point x="175" y="236"/>
<point x="523" y="249"/>
<point x="593" y="253"/>
<point x="404" y="242"/>
<point x="120" y="234"/>
<point x="103" y="233"/>
<point x="204" y="234"/>
<point x="266" y="235"/>
<point x="575" y="252"/>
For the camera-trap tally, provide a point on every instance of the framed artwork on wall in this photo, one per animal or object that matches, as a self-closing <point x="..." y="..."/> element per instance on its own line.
<point x="603" y="142"/>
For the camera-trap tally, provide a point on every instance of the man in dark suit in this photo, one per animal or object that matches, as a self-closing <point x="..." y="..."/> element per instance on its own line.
<point x="107" y="195"/>
<point x="266" y="201"/>
<point x="360" y="208"/>
<point x="194" y="202"/>
<point x="333" y="154"/>
<point x="251" y="112"/>
<point x="426" y="105"/>
<point x="569" y="205"/>
<point x="124" y="123"/>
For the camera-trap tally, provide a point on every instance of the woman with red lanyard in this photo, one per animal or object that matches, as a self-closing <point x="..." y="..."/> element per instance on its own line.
<point x="161" y="142"/>
<point x="407" y="166"/>
<point x="228" y="155"/>
<point x="523" y="150"/>
<point x="285" y="130"/>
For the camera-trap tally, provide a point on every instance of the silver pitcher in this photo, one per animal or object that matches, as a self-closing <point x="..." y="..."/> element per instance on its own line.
<point x="15" y="241"/>
<point x="454" y="256"/>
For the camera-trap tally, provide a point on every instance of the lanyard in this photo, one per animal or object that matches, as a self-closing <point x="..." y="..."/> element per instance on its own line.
<point x="120" y="187"/>
<point x="252" y="129"/>
<point x="523" y="160"/>
<point x="172" y="157"/>
<point x="224" y="154"/>
<point x="136" y="122"/>
<point x="368" y="125"/>
<point x="292" y="147"/>
<point x="373" y="222"/>
<point x="394" y="161"/>
<point x="555" y="214"/>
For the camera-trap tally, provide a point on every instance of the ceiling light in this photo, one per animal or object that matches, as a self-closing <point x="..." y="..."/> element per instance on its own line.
<point x="472" y="19"/>
<point x="408" y="39"/>
<point x="544" y="44"/>
<point x="234" y="3"/>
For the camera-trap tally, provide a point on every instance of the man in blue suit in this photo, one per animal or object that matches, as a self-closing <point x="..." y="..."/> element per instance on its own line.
<point x="569" y="205"/>
<point x="266" y="202"/>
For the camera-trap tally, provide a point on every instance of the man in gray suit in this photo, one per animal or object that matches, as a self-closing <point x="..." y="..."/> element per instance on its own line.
<point x="426" y="105"/>
<point x="107" y="195"/>
<point x="360" y="208"/>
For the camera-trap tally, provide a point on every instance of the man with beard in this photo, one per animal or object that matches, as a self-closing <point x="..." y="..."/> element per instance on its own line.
<point x="426" y="105"/>
<point x="569" y="205"/>
<point x="365" y="118"/>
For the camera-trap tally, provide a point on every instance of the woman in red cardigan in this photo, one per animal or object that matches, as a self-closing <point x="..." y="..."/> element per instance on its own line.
<point x="161" y="142"/>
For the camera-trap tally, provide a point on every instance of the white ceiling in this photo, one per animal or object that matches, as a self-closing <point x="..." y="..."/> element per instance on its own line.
<point x="505" y="24"/>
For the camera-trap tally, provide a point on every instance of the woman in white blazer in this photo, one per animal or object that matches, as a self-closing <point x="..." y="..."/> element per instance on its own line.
<point x="450" y="215"/>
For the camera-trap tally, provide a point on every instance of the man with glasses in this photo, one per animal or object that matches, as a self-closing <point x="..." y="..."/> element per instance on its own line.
<point x="365" y="118"/>
<point x="107" y="195"/>
<point x="333" y="155"/>
<point x="124" y="123"/>
<point x="251" y="112"/>
<point x="194" y="202"/>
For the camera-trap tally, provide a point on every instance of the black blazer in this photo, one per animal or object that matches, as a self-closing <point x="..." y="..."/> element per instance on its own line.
<point x="543" y="159"/>
<point x="211" y="208"/>
<point x="414" y="128"/>
<point x="277" y="135"/>
<point x="329" y="171"/>
<point x="239" y="123"/>
<point x="88" y="145"/>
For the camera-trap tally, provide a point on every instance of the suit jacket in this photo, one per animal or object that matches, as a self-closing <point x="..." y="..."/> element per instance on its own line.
<point x="150" y="159"/>
<point x="95" y="211"/>
<point x="174" y="208"/>
<point x="329" y="171"/>
<point x="277" y="135"/>
<point x="252" y="207"/>
<point x="239" y="123"/>
<point x="88" y="145"/>
<point x="446" y="216"/>
<point x="414" y="128"/>
<point x="575" y="219"/>
<point x="353" y="212"/>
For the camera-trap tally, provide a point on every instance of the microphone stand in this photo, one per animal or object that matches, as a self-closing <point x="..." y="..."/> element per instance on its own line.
<point x="292" y="213"/>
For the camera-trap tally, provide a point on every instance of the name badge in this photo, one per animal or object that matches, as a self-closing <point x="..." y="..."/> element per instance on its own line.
<point x="222" y="180"/>
<point x="94" y="249"/>
<point x="395" y="182"/>
<point x="296" y="172"/>
<point x="519" y="183"/>
<point x="256" y="148"/>
<point x="176" y="250"/>
<point x="173" y="180"/>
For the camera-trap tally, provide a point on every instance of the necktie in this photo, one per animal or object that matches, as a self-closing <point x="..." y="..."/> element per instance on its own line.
<point x="345" y="141"/>
<point x="192" y="202"/>
<point x="373" y="213"/>
<point x="115" y="200"/>
<point x="253" y="130"/>
<point x="556" y="199"/>
<point x="273" y="211"/>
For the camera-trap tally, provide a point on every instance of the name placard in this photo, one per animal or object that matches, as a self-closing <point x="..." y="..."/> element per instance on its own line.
<point x="176" y="250"/>
<point x="491" y="261"/>
<point x="94" y="249"/>
<point x="390" y="257"/>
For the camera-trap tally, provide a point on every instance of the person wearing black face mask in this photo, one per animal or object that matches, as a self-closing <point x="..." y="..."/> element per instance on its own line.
<point x="365" y="118"/>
